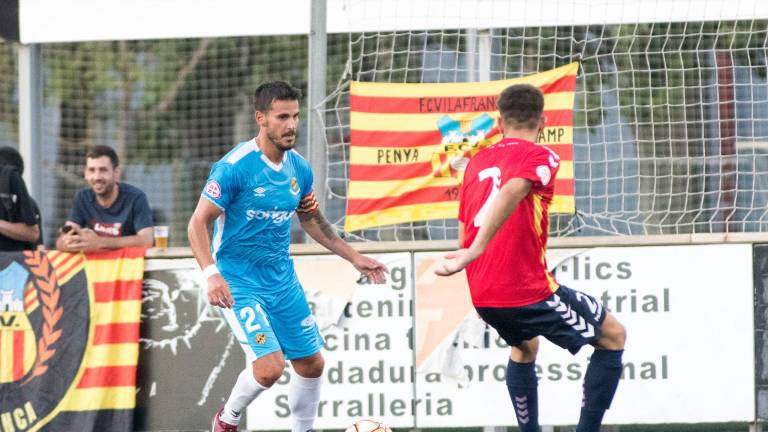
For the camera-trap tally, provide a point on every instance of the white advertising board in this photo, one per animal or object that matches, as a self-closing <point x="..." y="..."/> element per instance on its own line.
<point x="689" y="319"/>
<point x="368" y="358"/>
<point x="687" y="309"/>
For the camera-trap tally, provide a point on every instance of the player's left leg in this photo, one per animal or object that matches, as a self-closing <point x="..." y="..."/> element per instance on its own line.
<point x="300" y="339"/>
<point x="603" y="375"/>
<point x="304" y="391"/>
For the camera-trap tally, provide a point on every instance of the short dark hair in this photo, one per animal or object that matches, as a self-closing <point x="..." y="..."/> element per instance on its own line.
<point x="11" y="156"/>
<point x="101" y="150"/>
<point x="270" y="91"/>
<point x="521" y="105"/>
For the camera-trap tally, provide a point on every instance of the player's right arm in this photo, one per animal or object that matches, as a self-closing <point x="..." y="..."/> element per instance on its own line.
<point x="198" y="231"/>
<point x="506" y="202"/>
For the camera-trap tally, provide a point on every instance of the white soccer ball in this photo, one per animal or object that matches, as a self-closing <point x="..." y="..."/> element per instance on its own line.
<point x="368" y="425"/>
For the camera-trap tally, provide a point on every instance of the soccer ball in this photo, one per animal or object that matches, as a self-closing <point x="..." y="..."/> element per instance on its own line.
<point x="368" y="425"/>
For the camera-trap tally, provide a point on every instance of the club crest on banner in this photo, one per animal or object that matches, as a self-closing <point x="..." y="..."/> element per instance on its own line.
<point x="43" y="328"/>
<point x="16" y="335"/>
<point x="461" y="139"/>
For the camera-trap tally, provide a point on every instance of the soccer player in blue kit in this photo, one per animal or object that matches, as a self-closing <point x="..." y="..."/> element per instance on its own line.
<point x="249" y="198"/>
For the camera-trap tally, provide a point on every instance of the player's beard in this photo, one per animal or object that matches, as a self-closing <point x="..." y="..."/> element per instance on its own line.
<point x="279" y="141"/>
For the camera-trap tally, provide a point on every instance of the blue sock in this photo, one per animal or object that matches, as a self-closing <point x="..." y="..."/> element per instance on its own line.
<point x="523" y="390"/>
<point x="600" y="382"/>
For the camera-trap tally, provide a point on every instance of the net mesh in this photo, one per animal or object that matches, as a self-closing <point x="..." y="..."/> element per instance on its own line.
<point x="9" y="107"/>
<point x="670" y="119"/>
<point x="170" y="108"/>
<point x="670" y="132"/>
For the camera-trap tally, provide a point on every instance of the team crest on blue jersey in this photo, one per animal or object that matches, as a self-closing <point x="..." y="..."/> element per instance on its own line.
<point x="261" y="338"/>
<point x="294" y="186"/>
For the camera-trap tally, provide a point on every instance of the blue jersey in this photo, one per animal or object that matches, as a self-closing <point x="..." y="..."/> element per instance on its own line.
<point x="251" y="238"/>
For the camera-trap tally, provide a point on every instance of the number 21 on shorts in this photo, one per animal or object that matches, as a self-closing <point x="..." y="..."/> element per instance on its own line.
<point x="248" y="314"/>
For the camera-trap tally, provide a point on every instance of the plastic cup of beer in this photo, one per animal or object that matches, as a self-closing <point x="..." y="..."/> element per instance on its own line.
<point x="161" y="236"/>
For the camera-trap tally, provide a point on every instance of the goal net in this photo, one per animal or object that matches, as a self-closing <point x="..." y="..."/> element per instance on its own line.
<point x="169" y="107"/>
<point x="670" y="121"/>
<point x="9" y="110"/>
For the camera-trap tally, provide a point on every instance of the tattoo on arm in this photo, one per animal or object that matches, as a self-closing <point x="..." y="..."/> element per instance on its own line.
<point x="325" y="227"/>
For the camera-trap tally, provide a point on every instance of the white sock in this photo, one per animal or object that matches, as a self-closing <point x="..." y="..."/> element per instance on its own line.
<point x="243" y="393"/>
<point x="303" y="398"/>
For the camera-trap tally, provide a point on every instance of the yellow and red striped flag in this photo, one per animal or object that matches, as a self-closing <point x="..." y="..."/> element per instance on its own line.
<point x="410" y="144"/>
<point x="109" y="365"/>
<point x="83" y="313"/>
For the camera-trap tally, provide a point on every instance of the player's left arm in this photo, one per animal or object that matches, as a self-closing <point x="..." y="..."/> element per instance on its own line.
<point x="318" y="227"/>
<point x="506" y="202"/>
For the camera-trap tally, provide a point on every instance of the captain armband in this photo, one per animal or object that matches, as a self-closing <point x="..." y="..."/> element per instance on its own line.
<point x="308" y="204"/>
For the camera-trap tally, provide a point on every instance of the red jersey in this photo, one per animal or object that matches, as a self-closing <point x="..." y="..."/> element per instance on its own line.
<point x="513" y="269"/>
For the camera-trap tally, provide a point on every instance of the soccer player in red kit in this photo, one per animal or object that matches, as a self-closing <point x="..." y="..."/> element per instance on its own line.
<point x="503" y="226"/>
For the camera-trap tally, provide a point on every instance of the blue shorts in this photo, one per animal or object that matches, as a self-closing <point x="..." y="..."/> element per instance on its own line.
<point x="267" y="323"/>
<point x="568" y="318"/>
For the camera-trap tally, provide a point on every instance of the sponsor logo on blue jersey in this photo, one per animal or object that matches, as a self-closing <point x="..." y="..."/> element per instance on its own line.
<point x="276" y="216"/>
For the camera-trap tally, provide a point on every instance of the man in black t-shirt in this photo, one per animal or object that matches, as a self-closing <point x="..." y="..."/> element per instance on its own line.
<point x="108" y="214"/>
<point x="17" y="211"/>
<point x="19" y="217"/>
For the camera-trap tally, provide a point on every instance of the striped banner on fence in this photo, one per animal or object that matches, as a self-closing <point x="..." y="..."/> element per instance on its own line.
<point x="411" y="142"/>
<point x="74" y="367"/>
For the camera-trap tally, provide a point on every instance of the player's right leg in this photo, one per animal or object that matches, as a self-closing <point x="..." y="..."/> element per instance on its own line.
<point x="522" y="383"/>
<point x="251" y="328"/>
<point x="251" y="382"/>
